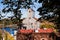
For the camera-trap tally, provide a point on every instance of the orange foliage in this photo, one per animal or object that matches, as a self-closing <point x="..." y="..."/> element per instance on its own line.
<point x="47" y="24"/>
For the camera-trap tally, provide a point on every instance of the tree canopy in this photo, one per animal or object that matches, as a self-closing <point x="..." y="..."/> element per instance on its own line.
<point x="15" y="6"/>
<point x="49" y="10"/>
<point x="51" y="7"/>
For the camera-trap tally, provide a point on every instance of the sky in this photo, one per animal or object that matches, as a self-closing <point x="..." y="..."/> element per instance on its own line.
<point x="37" y="5"/>
<point x="24" y="11"/>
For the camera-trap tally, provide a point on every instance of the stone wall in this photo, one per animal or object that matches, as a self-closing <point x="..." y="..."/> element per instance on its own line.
<point x="34" y="36"/>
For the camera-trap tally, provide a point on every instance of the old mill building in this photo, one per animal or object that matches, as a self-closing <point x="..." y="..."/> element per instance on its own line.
<point x="31" y="22"/>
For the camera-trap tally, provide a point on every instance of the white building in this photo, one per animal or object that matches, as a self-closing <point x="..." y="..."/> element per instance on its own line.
<point x="31" y="22"/>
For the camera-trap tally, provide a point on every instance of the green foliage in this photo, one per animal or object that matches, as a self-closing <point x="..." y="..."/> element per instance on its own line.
<point x="50" y="6"/>
<point x="47" y="7"/>
<point x="15" y="6"/>
<point x="18" y="4"/>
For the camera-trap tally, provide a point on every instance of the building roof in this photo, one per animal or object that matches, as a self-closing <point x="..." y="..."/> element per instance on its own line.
<point x="25" y="31"/>
<point x="49" y="30"/>
<point x="8" y="29"/>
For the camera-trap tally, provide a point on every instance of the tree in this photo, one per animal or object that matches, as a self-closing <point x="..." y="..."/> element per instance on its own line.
<point x="1" y="35"/>
<point x="47" y="24"/>
<point x="50" y="11"/>
<point x="8" y="36"/>
<point x="15" y="6"/>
